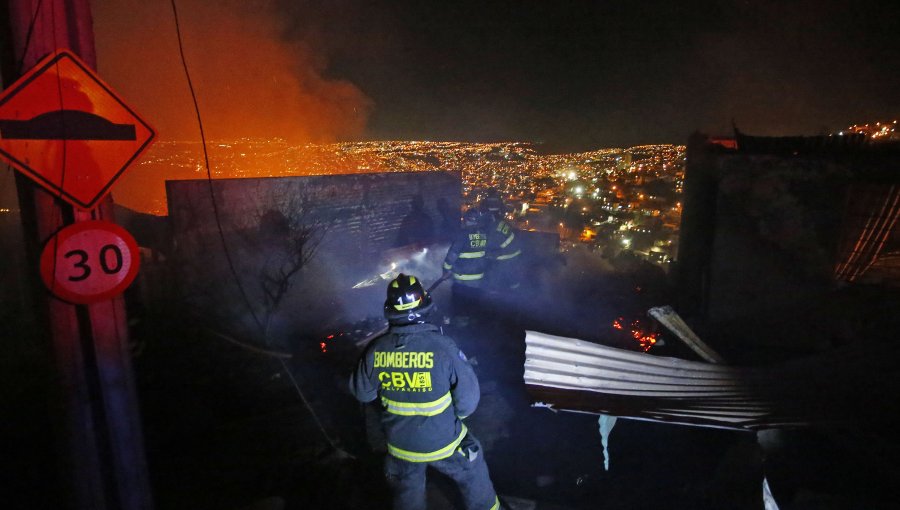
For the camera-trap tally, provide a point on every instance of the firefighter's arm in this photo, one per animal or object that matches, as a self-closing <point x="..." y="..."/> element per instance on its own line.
<point x="450" y="259"/>
<point x="363" y="384"/>
<point x="463" y="385"/>
<point x="493" y="250"/>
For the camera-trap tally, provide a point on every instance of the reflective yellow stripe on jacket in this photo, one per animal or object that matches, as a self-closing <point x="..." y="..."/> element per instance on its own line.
<point x="443" y="453"/>
<point x="471" y="255"/>
<point x="509" y="255"/>
<point x="463" y="277"/>
<point x="432" y="408"/>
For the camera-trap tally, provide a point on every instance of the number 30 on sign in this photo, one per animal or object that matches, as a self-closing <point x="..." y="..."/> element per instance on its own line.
<point x="89" y="261"/>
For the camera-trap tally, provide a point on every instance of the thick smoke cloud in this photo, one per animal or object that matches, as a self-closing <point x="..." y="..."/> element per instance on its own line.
<point x="249" y="81"/>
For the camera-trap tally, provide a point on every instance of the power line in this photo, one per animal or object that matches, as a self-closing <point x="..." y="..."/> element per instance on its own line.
<point x="212" y="196"/>
<point x="215" y="206"/>
<point x="21" y="61"/>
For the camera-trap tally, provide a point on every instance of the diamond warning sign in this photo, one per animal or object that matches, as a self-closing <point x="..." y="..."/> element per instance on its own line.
<point x="67" y="130"/>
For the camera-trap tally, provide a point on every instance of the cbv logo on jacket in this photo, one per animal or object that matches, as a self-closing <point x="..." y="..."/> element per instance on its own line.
<point x="405" y="381"/>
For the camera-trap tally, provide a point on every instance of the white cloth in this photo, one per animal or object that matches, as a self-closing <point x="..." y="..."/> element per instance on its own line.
<point x="606" y="423"/>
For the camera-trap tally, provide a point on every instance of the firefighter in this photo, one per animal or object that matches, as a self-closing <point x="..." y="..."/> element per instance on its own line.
<point x="503" y="246"/>
<point x="426" y="387"/>
<point x="467" y="262"/>
<point x="492" y="204"/>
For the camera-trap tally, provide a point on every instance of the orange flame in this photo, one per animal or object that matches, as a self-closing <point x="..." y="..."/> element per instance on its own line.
<point x="645" y="339"/>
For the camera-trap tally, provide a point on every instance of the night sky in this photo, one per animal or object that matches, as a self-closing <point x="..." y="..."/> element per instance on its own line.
<point x="573" y="75"/>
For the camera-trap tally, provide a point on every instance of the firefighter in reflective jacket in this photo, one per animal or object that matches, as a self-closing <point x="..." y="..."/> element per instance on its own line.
<point x="467" y="261"/>
<point x="504" y="248"/>
<point x="426" y="387"/>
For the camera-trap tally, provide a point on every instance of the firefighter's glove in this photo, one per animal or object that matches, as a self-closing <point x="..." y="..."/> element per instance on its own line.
<point x="470" y="447"/>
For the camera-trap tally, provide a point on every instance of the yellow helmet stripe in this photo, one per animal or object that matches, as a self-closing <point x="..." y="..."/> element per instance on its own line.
<point x="407" y="306"/>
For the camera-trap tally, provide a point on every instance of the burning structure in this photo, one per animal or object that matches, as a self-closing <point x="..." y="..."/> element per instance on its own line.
<point x="300" y="246"/>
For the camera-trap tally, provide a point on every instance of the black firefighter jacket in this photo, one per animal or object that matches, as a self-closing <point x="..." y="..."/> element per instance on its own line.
<point x="426" y="386"/>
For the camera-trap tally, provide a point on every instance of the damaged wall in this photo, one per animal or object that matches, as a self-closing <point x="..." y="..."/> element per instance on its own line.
<point x="763" y="231"/>
<point x="300" y="244"/>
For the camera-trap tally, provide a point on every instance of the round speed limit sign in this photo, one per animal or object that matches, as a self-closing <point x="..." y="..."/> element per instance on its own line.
<point x="89" y="261"/>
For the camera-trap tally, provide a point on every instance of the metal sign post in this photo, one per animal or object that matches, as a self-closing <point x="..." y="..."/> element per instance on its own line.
<point x="103" y="460"/>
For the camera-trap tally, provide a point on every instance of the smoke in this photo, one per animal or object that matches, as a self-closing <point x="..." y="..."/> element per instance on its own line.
<point x="362" y="282"/>
<point x="249" y="80"/>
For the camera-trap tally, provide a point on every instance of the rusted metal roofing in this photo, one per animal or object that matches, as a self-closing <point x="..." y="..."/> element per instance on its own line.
<point x="576" y="375"/>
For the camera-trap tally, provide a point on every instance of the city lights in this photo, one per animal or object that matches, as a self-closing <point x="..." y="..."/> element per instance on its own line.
<point x="879" y="131"/>
<point x="634" y="193"/>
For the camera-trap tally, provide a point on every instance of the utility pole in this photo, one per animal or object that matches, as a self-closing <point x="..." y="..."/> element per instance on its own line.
<point x="102" y="457"/>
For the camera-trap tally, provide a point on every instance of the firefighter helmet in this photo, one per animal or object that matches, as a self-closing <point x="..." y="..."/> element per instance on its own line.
<point x="472" y="217"/>
<point x="407" y="301"/>
<point x="493" y="205"/>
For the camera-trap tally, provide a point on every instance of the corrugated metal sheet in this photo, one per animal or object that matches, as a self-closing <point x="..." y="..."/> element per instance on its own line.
<point x="576" y="375"/>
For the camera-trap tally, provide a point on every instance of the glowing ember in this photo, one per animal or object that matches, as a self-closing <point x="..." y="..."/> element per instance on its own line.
<point x="323" y="345"/>
<point x="646" y="339"/>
